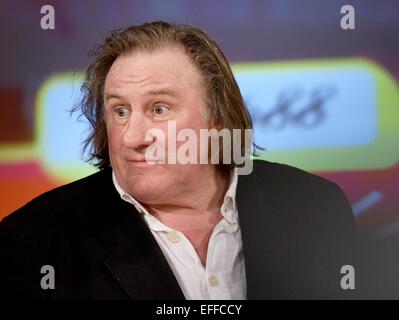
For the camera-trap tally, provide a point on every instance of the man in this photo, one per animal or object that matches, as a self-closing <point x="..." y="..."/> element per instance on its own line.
<point x="147" y="229"/>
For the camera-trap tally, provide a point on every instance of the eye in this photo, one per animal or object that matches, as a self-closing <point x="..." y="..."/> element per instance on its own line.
<point x="160" y="109"/>
<point x="121" y="112"/>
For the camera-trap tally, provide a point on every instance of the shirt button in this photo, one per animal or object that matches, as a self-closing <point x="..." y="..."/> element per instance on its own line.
<point x="213" y="281"/>
<point x="174" y="237"/>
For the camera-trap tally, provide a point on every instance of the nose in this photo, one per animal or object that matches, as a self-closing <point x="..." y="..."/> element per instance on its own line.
<point x="135" y="131"/>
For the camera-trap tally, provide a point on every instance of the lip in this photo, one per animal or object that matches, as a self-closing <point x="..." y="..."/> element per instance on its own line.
<point x="141" y="163"/>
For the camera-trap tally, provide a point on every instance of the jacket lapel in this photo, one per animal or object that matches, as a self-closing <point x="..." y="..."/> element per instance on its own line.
<point x="256" y="223"/>
<point x="136" y="261"/>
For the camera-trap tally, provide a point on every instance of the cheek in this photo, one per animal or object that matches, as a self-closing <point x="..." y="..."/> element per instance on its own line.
<point x="114" y="140"/>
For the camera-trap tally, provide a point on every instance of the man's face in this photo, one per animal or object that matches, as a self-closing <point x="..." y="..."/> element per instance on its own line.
<point x="144" y="91"/>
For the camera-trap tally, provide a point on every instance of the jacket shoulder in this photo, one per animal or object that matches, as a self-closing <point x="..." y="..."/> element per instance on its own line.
<point x="299" y="195"/>
<point x="285" y="175"/>
<point x="54" y="207"/>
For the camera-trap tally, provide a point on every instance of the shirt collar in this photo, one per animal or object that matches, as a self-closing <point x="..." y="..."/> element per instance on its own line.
<point x="229" y="206"/>
<point x="126" y="196"/>
<point x="228" y="209"/>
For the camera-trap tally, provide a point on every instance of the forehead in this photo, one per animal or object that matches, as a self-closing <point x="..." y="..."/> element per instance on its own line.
<point x="143" y="70"/>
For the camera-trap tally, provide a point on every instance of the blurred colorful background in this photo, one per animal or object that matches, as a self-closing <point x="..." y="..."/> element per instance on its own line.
<point x="323" y="99"/>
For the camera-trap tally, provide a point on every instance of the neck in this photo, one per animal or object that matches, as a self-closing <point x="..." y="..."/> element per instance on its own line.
<point x="198" y="208"/>
<point x="197" y="212"/>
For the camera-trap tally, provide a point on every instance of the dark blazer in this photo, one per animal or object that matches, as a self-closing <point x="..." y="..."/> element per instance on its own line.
<point x="296" y="228"/>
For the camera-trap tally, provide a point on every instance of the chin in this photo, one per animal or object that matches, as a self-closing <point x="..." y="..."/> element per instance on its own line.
<point x="147" y="189"/>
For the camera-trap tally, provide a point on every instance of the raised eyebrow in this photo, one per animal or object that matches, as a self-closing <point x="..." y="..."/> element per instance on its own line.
<point x="163" y="91"/>
<point x="112" y="96"/>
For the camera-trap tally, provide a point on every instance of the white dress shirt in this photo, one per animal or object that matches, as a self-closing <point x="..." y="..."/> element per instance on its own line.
<point x="224" y="274"/>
